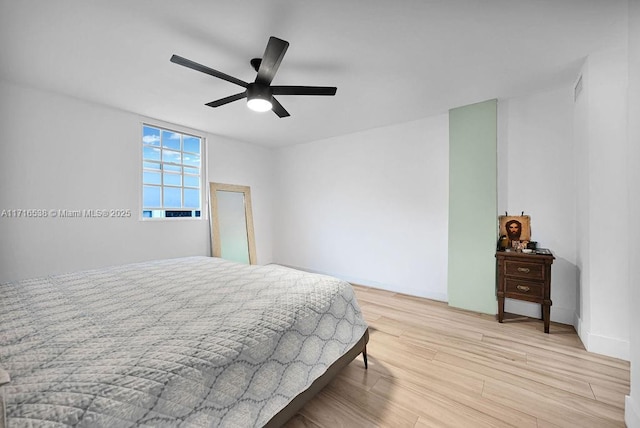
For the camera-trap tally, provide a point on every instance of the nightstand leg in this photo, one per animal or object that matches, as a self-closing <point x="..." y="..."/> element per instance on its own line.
<point x="546" y="315"/>
<point x="500" y="306"/>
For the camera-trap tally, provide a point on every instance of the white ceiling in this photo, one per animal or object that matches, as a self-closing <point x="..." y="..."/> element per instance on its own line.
<point x="392" y="60"/>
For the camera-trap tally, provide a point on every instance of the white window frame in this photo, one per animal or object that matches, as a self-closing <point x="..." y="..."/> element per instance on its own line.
<point x="204" y="198"/>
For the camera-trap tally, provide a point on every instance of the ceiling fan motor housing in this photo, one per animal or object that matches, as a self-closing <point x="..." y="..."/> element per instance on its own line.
<point x="258" y="91"/>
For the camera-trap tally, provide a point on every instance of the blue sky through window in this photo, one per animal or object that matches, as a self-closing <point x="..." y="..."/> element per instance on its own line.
<point x="171" y="175"/>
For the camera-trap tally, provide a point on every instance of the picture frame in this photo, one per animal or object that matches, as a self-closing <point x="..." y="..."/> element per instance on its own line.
<point x="515" y="227"/>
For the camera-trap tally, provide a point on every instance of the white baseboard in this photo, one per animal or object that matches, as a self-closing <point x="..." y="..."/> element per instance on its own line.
<point x="609" y="346"/>
<point x="441" y="297"/>
<point x="631" y="412"/>
<point x="582" y="332"/>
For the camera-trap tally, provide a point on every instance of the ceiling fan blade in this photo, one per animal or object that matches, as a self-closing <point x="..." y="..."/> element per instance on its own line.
<point x="304" y="90"/>
<point x="271" y="60"/>
<point x="227" y="100"/>
<point x="204" y="69"/>
<point x="278" y="109"/>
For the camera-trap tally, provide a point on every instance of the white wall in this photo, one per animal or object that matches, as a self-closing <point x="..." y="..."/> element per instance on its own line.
<point x="602" y="215"/>
<point x="62" y="153"/>
<point x="536" y="175"/>
<point x="236" y="162"/>
<point x="369" y="207"/>
<point x="632" y="407"/>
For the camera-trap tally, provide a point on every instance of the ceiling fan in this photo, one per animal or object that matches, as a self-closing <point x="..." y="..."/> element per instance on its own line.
<point x="260" y="93"/>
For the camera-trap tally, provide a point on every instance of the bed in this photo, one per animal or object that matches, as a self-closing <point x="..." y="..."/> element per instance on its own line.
<point x="191" y="342"/>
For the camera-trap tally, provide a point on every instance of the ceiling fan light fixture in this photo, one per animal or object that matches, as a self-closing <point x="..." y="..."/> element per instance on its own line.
<point x="259" y="105"/>
<point x="259" y="97"/>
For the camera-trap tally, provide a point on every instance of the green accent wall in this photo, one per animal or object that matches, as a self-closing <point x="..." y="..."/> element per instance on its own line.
<point x="473" y="207"/>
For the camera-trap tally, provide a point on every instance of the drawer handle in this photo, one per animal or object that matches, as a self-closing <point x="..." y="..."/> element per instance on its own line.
<point x="525" y="270"/>
<point x="523" y="288"/>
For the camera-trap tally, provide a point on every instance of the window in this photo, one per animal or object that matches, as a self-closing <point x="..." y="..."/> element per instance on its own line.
<point x="171" y="173"/>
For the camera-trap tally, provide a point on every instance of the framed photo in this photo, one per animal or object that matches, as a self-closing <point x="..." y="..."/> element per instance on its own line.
<point x="515" y="227"/>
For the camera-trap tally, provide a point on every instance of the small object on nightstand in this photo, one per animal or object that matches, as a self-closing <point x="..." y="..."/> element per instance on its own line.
<point x="525" y="277"/>
<point x="503" y="243"/>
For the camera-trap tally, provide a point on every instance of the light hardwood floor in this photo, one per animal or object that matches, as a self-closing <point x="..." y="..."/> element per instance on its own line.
<point x="434" y="366"/>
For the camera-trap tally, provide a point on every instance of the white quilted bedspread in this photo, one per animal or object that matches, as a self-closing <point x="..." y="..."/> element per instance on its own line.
<point x="196" y="341"/>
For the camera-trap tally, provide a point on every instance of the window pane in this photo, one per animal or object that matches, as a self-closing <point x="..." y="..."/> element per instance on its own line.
<point x="191" y="170"/>
<point x="151" y="178"/>
<point x="150" y="153"/>
<point x="151" y="196"/>
<point x="172" y="168"/>
<point x="172" y="197"/>
<point x="170" y="140"/>
<point x="191" y="144"/>
<point x="169" y="156"/>
<point x="151" y="165"/>
<point x="173" y="179"/>
<point x="191" y="181"/>
<point x="150" y="135"/>
<point x="191" y="159"/>
<point x="191" y="198"/>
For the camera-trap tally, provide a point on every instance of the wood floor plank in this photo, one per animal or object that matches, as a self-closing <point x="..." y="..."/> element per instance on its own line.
<point x="439" y="342"/>
<point x="434" y="406"/>
<point x="569" y="412"/>
<point x="424" y="423"/>
<point x="381" y="323"/>
<point x="587" y="360"/>
<point x="326" y="411"/>
<point x="365" y="378"/>
<point x="611" y="396"/>
<point x="300" y="421"/>
<point x="511" y="373"/>
<point x="426" y="373"/>
<point x="543" y="423"/>
<point x="470" y="398"/>
<point x="596" y="371"/>
<point x="388" y="347"/>
<point x="408" y="325"/>
<point x="386" y="411"/>
<point x="573" y="372"/>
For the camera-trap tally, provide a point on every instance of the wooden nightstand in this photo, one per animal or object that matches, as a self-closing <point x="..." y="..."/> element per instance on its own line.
<point x="525" y="277"/>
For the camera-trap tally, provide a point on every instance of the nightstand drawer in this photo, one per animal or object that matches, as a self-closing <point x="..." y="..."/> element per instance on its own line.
<point x="524" y="269"/>
<point x="524" y="288"/>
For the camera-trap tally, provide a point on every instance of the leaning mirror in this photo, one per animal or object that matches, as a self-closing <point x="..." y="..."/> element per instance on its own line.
<point x="232" y="223"/>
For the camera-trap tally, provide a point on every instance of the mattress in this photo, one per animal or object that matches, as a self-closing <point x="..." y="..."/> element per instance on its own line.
<point x="190" y="342"/>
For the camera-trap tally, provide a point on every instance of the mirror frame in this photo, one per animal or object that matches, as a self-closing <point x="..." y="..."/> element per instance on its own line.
<point x="216" y="245"/>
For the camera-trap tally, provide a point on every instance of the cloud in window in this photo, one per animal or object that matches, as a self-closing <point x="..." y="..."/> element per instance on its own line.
<point x="151" y="139"/>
